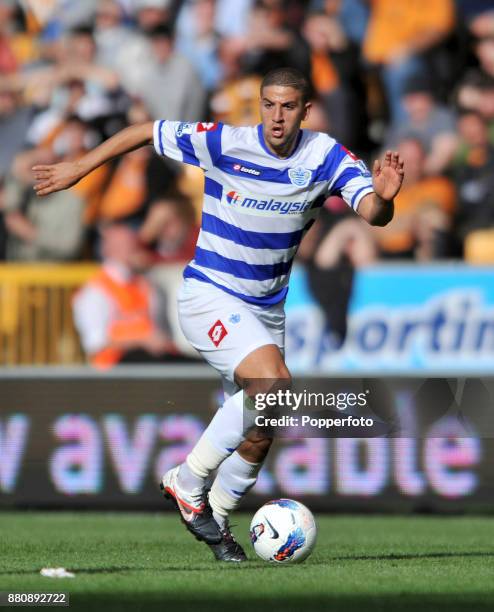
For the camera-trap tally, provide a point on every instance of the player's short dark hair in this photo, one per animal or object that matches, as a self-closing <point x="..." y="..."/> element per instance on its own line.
<point x="288" y="77"/>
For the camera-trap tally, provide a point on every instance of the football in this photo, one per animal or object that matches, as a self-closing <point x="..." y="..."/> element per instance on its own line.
<point x="283" y="531"/>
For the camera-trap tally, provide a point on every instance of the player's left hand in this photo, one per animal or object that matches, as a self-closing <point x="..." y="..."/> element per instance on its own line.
<point x="387" y="176"/>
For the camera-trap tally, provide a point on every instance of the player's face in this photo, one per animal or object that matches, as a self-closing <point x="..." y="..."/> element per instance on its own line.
<point x="282" y="112"/>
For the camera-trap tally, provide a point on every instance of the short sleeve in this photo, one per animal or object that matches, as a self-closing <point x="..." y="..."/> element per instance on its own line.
<point x="352" y="179"/>
<point x="184" y="142"/>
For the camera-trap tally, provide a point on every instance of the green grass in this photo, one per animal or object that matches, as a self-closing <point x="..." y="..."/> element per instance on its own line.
<point x="149" y="562"/>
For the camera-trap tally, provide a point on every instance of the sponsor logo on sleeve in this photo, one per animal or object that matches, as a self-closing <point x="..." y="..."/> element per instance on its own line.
<point x="206" y="127"/>
<point x="364" y="171"/>
<point x="184" y="128"/>
<point x="300" y="176"/>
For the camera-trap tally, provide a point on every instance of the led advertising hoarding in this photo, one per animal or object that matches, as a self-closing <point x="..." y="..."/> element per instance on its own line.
<point x="104" y="442"/>
<point x="403" y="318"/>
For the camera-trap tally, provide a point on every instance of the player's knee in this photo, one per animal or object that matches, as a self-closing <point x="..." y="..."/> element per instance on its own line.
<point x="279" y="379"/>
<point x="275" y="377"/>
<point x="281" y="374"/>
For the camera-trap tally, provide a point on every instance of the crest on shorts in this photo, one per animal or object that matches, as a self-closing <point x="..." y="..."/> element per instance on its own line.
<point x="217" y="333"/>
<point x="300" y="176"/>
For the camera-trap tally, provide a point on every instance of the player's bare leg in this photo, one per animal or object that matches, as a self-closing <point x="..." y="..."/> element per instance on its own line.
<point x="258" y="373"/>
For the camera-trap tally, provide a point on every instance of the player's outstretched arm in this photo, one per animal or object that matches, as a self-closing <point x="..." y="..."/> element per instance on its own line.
<point x="51" y="178"/>
<point x="387" y="176"/>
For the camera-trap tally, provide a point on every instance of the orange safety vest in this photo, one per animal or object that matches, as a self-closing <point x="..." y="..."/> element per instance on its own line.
<point x="131" y="318"/>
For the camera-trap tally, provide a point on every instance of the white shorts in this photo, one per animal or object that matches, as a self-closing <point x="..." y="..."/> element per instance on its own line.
<point x="225" y="329"/>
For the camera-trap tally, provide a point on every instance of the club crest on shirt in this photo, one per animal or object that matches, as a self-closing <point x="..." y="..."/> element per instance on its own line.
<point x="184" y="128"/>
<point x="300" y="176"/>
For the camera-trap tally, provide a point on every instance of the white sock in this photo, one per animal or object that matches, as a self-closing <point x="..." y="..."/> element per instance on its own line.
<point x="235" y="477"/>
<point x="222" y="436"/>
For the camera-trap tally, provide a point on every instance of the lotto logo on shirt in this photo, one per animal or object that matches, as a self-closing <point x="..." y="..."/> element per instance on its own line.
<point x="206" y="127"/>
<point x="217" y="333"/>
<point x="240" y="168"/>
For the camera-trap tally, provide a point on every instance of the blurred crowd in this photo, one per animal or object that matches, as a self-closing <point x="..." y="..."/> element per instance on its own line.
<point x="416" y="76"/>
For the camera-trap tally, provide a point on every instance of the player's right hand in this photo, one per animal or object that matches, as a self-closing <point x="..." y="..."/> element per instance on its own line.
<point x="55" y="177"/>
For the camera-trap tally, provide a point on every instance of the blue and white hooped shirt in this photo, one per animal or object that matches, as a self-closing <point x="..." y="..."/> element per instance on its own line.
<point x="257" y="207"/>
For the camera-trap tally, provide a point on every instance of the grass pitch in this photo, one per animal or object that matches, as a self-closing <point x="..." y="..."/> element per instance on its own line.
<point x="149" y="562"/>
